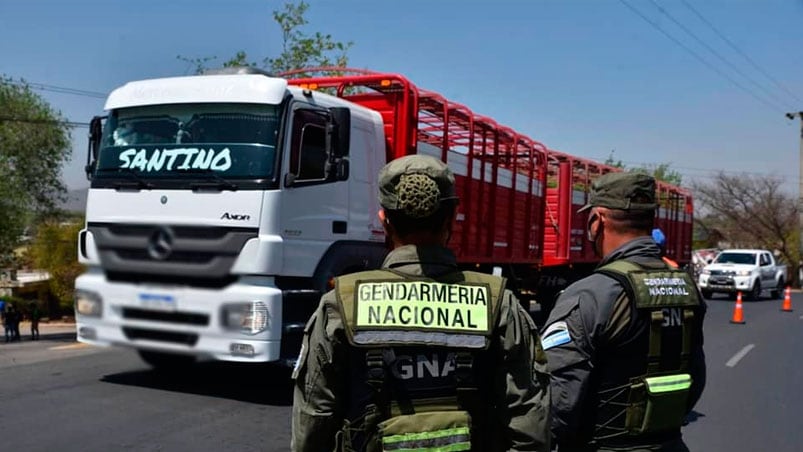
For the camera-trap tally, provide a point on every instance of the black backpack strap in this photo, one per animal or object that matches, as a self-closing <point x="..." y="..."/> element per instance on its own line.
<point x="376" y="379"/>
<point x="383" y="389"/>
<point x="465" y="382"/>
<point x="685" y="351"/>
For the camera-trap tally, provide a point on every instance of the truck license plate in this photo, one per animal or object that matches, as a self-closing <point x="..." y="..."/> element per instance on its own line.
<point x="157" y="301"/>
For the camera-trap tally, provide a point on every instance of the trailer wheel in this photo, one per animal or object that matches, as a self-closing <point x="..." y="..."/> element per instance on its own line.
<point x="166" y="361"/>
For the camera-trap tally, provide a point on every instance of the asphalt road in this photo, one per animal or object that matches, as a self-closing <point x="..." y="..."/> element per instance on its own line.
<point x="56" y="394"/>
<point x="753" y="398"/>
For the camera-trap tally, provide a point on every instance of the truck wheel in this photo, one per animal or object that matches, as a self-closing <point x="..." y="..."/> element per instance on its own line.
<point x="755" y="294"/>
<point x="777" y="291"/>
<point x="707" y="294"/>
<point x="166" y="361"/>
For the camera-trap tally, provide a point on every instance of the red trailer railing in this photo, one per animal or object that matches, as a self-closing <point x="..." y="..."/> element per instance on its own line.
<point x="519" y="200"/>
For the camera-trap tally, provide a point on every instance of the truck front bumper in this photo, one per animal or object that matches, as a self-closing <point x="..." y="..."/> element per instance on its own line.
<point x="186" y="320"/>
<point x="731" y="284"/>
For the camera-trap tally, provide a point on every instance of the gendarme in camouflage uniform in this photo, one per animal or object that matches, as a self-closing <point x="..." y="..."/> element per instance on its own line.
<point x="420" y="355"/>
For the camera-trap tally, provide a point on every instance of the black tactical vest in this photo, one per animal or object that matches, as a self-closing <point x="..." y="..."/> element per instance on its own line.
<point x="642" y="385"/>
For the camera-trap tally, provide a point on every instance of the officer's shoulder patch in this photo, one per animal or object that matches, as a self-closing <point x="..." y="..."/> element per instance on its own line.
<point x="555" y="334"/>
<point x="299" y="360"/>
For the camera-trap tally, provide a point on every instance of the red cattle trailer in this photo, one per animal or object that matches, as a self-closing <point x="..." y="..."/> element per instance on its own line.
<point x="518" y="199"/>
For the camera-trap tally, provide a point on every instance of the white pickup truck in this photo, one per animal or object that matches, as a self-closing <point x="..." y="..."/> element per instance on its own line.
<point x="743" y="270"/>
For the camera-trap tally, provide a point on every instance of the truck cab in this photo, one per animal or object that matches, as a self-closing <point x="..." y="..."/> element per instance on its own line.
<point x="219" y="209"/>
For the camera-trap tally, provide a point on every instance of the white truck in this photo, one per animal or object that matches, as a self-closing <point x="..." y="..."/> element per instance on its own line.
<point x="219" y="209"/>
<point x="750" y="271"/>
<point x="221" y="206"/>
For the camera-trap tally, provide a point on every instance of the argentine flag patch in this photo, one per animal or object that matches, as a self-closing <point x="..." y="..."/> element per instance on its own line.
<point x="555" y="334"/>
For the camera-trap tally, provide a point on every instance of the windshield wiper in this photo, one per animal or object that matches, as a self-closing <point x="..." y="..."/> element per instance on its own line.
<point x="219" y="183"/>
<point x="136" y="182"/>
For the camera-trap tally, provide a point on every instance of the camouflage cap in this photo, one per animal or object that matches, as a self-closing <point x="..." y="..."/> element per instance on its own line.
<point x="622" y="191"/>
<point x="415" y="185"/>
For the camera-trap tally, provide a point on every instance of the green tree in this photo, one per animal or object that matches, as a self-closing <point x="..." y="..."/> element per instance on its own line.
<point x="299" y="49"/>
<point x="34" y="145"/>
<point x="14" y="213"/>
<point x="660" y="171"/>
<point x="54" y="249"/>
<point x="610" y="161"/>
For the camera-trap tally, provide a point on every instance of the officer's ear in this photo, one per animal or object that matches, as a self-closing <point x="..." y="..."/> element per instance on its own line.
<point x="385" y="220"/>
<point x="386" y="224"/>
<point x="602" y="216"/>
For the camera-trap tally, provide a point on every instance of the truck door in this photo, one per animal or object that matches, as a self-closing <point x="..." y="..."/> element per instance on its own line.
<point x="767" y="271"/>
<point x="315" y="206"/>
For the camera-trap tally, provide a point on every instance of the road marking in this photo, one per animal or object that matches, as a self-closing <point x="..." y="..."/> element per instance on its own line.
<point x="70" y="347"/>
<point x="738" y="356"/>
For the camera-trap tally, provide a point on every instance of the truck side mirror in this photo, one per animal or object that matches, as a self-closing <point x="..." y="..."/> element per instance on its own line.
<point x="341" y="132"/>
<point x="338" y="138"/>
<point x="289" y="179"/>
<point x="93" y="146"/>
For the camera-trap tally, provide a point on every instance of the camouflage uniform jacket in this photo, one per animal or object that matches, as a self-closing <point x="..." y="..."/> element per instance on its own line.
<point x="523" y="392"/>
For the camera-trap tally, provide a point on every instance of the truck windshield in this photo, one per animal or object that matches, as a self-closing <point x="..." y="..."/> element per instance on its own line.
<point x="736" y="258"/>
<point x="190" y="141"/>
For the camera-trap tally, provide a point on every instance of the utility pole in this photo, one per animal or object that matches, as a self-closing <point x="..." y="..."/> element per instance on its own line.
<point x="800" y="194"/>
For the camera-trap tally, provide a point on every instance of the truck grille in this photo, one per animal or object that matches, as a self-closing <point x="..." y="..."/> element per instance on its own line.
<point x="183" y="318"/>
<point x="160" y="253"/>
<point x="160" y="336"/>
<point x="722" y="272"/>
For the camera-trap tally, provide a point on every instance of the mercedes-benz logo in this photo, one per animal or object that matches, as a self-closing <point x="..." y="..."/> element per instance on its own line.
<point x="160" y="245"/>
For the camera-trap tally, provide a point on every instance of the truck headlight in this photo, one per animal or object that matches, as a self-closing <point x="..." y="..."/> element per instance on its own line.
<point x="706" y="272"/>
<point x="88" y="303"/>
<point x="743" y="273"/>
<point x="248" y="318"/>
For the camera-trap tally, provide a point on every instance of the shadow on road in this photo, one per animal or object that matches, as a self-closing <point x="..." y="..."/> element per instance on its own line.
<point x="694" y="416"/>
<point x="261" y="384"/>
<point x="58" y="337"/>
<point x="64" y="338"/>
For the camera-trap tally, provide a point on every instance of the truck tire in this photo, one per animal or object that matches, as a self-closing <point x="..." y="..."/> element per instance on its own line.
<point x="707" y="294"/>
<point x="166" y="361"/>
<point x="777" y="292"/>
<point x="755" y="294"/>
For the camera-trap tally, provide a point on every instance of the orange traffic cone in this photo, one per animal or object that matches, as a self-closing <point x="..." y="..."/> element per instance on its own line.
<point x="787" y="300"/>
<point x="738" y="315"/>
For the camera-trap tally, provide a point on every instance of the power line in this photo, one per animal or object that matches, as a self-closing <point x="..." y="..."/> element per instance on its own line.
<point x="43" y="121"/>
<point x="681" y="169"/>
<point x="740" y="52"/>
<point x="698" y="57"/>
<point x="715" y="52"/>
<point x="60" y="89"/>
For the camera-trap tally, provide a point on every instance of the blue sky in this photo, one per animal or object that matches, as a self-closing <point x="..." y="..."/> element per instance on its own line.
<point x="582" y="76"/>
